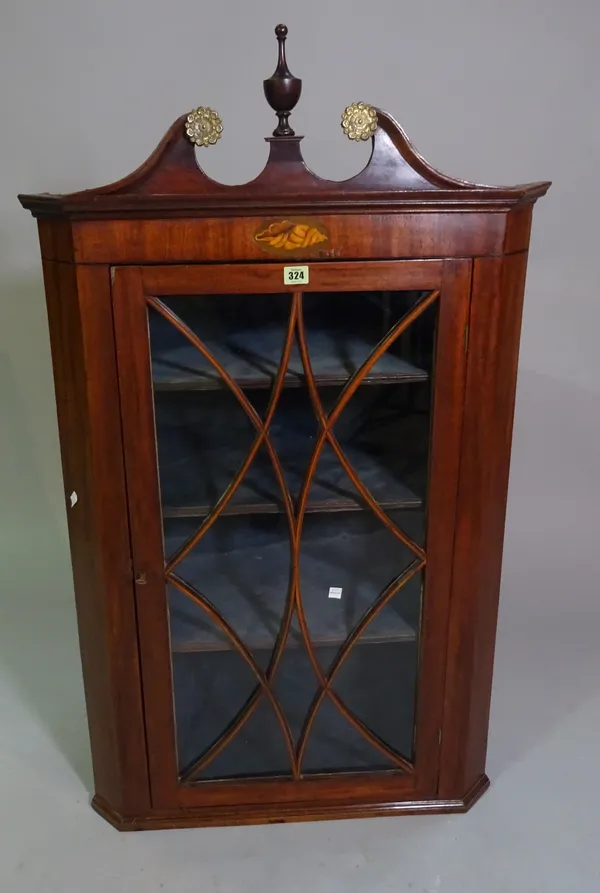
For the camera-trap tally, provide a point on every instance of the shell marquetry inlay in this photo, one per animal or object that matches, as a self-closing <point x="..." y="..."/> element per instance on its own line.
<point x="289" y="235"/>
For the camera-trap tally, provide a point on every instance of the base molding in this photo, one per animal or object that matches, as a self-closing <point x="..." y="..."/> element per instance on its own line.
<point x="160" y="819"/>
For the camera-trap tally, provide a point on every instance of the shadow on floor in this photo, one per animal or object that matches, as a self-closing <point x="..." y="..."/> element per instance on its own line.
<point x="547" y="656"/>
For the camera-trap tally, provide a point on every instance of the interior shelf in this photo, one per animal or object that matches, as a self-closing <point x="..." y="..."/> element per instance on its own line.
<point x="250" y="348"/>
<point x="331" y="489"/>
<point x="203" y="440"/>
<point x="243" y="568"/>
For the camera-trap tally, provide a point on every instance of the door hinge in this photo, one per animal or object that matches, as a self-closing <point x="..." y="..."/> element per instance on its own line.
<point x="466" y="338"/>
<point x="112" y="275"/>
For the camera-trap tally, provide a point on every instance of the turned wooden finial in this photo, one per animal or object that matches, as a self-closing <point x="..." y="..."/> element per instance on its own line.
<point x="282" y="89"/>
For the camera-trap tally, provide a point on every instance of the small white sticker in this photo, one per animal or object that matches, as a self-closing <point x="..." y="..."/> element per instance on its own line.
<point x="73" y="498"/>
<point x="335" y="592"/>
<point x="295" y="275"/>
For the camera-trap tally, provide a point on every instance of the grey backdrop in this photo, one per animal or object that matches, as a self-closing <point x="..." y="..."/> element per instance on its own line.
<point x="497" y="91"/>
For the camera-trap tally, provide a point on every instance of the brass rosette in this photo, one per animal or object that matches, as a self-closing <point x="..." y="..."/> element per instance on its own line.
<point x="359" y="121"/>
<point x="203" y="126"/>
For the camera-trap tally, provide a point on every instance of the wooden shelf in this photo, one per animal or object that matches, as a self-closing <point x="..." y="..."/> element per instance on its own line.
<point x="330" y="491"/>
<point x="251" y="356"/>
<point x="243" y="567"/>
<point x="203" y="440"/>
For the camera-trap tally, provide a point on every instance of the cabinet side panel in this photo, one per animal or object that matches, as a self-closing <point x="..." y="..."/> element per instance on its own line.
<point x="495" y="326"/>
<point x="518" y="229"/>
<point x="82" y="341"/>
<point x="56" y="240"/>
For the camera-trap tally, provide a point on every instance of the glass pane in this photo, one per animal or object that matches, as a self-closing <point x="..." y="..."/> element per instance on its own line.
<point x="343" y="329"/>
<point x="335" y="745"/>
<point x="346" y="563"/>
<point x="294" y="518"/>
<point x="209" y="690"/>
<point x="377" y="683"/>
<point x="243" y="333"/>
<point x="241" y="566"/>
<point x="257" y="749"/>
<point x="295" y="684"/>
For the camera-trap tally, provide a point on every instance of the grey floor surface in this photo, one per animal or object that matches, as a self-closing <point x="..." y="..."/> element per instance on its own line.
<point x="535" y="830"/>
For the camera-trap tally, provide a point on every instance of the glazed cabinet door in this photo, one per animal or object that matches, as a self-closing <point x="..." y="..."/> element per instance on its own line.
<point x="292" y="445"/>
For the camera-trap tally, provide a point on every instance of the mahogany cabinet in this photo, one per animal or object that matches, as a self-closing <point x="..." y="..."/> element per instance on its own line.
<point x="285" y="415"/>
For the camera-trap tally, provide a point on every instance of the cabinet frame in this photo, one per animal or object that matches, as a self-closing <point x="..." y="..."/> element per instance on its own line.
<point x="169" y="228"/>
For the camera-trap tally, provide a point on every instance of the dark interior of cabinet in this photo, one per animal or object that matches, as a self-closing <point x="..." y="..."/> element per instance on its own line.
<point x="243" y="567"/>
